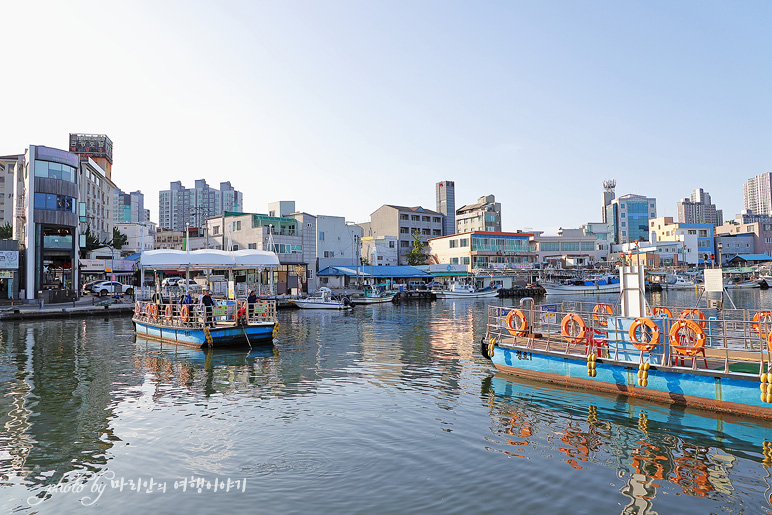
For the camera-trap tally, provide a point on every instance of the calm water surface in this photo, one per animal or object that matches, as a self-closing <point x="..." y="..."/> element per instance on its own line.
<point x="387" y="409"/>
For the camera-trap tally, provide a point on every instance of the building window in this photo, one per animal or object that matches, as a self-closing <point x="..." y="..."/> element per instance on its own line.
<point x="215" y="229"/>
<point x="391" y="244"/>
<point x="403" y="217"/>
<point x="404" y="244"/>
<point x="415" y="218"/>
<point x="463" y="242"/>
<point x="425" y="218"/>
<point x="252" y="246"/>
<point x="321" y="236"/>
<point x="237" y="225"/>
<point x="437" y="220"/>
<point x="404" y="230"/>
<point x="453" y="244"/>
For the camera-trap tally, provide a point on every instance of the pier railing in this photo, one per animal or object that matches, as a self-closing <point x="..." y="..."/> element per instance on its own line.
<point x="195" y="316"/>
<point x="730" y="340"/>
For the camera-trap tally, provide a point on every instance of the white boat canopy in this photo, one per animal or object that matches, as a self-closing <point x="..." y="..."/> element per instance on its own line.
<point x="168" y="259"/>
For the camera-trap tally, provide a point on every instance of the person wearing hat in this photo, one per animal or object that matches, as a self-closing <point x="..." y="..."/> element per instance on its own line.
<point x="251" y="301"/>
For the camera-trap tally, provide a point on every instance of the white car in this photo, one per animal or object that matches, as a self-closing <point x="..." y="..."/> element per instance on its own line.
<point x="111" y="288"/>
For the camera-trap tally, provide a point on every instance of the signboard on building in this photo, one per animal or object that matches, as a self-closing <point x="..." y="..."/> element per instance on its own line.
<point x="9" y="259"/>
<point x="92" y="145"/>
<point x="437" y="269"/>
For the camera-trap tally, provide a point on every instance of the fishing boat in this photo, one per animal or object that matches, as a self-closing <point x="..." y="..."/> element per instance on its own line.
<point x="459" y="290"/>
<point x="743" y="284"/>
<point x="230" y="321"/>
<point x="323" y="298"/>
<point x="679" y="282"/>
<point x="717" y="359"/>
<point x="372" y="295"/>
<point x="599" y="285"/>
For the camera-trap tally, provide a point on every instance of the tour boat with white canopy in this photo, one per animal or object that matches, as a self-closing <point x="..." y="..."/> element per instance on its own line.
<point x="230" y="320"/>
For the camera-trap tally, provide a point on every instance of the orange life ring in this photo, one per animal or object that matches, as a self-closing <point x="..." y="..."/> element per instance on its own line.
<point x="694" y="327"/>
<point x="601" y="319"/>
<point x="168" y="312"/>
<point x="154" y="310"/>
<point x="184" y="312"/>
<point x="137" y="308"/>
<point x="521" y="326"/>
<point x="660" y="310"/>
<point x="687" y="314"/>
<point x="633" y="332"/>
<point x="148" y="310"/>
<point x="758" y="318"/>
<point x="576" y="319"/>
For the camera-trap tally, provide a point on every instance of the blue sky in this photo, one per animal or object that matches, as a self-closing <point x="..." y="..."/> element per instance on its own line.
<point x="344" y="106"/>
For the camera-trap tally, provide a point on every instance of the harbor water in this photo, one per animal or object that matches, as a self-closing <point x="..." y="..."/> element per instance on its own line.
<point x="385" y="409"/>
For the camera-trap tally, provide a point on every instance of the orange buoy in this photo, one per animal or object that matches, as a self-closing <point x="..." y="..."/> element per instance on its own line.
<point x="522" y="323"/>
<point x="684" y="329"/>
<point x="572" y="320"/>
<point x="633" y="332"/>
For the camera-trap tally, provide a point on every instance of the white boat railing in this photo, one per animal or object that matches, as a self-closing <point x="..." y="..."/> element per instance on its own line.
<point x="716" y="339"/>
<point x="194" y="316"/>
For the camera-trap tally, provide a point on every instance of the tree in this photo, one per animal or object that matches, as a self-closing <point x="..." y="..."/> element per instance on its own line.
<point x="92" y="242"/>
<point x="416" y="255"/>
<point x="119" y="239"/>
<point x="6" y="231"/>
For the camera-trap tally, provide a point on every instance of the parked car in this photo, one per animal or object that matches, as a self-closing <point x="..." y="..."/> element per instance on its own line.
<point x="89" y="285"/>
<point x="111" y="288"/>
<point x="170" y="281"/>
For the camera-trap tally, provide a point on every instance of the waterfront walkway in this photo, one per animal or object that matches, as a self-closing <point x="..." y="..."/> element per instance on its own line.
<point x="85" y="306"/>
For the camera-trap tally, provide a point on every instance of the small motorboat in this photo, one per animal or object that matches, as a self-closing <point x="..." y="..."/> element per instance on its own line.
<point x="323" y="298"/>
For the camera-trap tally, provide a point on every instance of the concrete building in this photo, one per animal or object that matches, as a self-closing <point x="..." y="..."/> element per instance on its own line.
<point x="731" y="245"/>
<point x="97" y="195"/>
<point x="696" y="240"/>
<point x="628" y="218"/>
<point x="761" y="231"/>
<point x="571" y="247"/>
<point x="483" y="216"/>
<point x="402" y="222"/>
<point x="446" y="205"/>
<point x="757" y="194"/>
<point x="485" y="250"/>
<point x="180" y="207"/>
<point x="292" y="237"/>
<point x="338" y="243"/>
<point x="97" y="147"/>
<point x="599" y="230"/>
<point x="129" y="207"/>
<point x="47" y="223"/>
<point x="698" y="209"/>
<point x="11" y="171"/>
<point x="379" y="251"/>
<point x="140" y="237"/>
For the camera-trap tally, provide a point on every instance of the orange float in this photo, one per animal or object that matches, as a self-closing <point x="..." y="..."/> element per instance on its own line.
<point x="574" y="320"/>
<point x="602" y="318"/>
<point x="659" y="310"/>
<point x="761" y="317"/>
<point x="690" y="326"/>
<point x="168" y="312"/>
<point x="633" y="332"/>
<point x="694" y="314"/>
<point x="184" y="312"/>
<point x="522" y="324"/>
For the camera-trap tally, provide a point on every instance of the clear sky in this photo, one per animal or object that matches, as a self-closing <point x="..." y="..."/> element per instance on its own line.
<point x="343" y="106"/>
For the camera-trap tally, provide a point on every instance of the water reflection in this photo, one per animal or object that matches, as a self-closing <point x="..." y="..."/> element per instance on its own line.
<point x="652" y="449"/>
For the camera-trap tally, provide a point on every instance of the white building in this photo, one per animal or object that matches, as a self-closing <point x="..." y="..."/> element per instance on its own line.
<point x="97" y="192"/>
<point x="337" y="243"/>
<point x="757" y="194"/>
<point x="571" y="247"/>
<point x="140" y="237"/>
<point x="380" y="251"/>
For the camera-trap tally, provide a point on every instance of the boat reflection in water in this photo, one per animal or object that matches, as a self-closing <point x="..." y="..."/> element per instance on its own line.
<point x="654" y="450"/>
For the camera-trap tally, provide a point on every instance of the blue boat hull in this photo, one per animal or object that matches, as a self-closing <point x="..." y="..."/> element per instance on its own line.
<point x="221" y="336"/>
<point x="700" y="388"/>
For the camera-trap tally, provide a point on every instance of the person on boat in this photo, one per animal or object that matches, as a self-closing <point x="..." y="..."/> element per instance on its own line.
<point x="251" y="301"/>
<point x="186" y="299"/>
<point x="208" y="303"/>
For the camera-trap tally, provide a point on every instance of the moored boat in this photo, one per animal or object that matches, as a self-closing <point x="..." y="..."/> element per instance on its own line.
<point x="229" y="321"/>
<point x="599" y="285"/>
<point x="465" y="291"/>
<point x="719" y="359"/>
<point x="372" y="295"/>
<point x="323" y="298"/>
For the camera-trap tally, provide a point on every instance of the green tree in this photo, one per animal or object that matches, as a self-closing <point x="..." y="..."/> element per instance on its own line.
<point x="119" y="239"/>
<point x="92" y="242"/>
<point x="416" y="255"/>
<point x="6" y="231"/>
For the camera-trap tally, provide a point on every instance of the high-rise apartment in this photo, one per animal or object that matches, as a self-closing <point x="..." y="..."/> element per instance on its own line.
<point x="179" y="207"/>
<point x="483" y="215"/>
<point x="698" y="209"/>
<point x="129" y="207"/>
<point x="446" y="204"/>
<point x="757" y="194"/>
